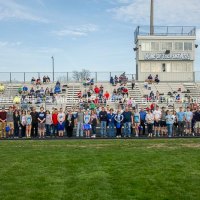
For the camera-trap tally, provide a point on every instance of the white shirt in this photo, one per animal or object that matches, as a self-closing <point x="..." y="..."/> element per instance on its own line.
<point x="157" y="114"/>
<point x="61" y="117"/>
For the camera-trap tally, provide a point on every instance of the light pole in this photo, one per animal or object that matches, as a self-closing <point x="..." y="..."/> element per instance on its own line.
<point x="53" y="67"/>
<point x="152" y="18"/>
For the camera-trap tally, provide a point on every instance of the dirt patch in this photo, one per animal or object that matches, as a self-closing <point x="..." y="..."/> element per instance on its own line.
<point x="191" y="145"/>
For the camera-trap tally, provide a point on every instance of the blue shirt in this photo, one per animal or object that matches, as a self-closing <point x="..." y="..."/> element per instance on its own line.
<point x="169" y="119"/>
<point x="188" y="116"/>
<point x="143" y="115"/>
<point x="180" y="116"/>
<point x="111" y="117"/>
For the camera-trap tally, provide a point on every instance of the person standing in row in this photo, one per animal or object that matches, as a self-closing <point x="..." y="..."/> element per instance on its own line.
<point x="79" y="123"/>
<point x="61" y="123"/>
<point x="136" y="122"/>
<point x="119" y="122"/>
<point x="169" y="122"/>
<point x="103" y="121"/>
<point x="188" y="119"/>
<point x="111" y="123"/>
<point x="28" y="124"/>
<point x="128" y="121"/>
<point x="41" y="122"/>
<point x="34" y="128"/>
<point x="48" y="123"/>
<point x="181" y="121"/>
<point x="87" y="125"/>
<point x="3" y="122"/>
<point x="142" y="120"/>
<point x="69" y="123"/>
<point x="23" y="123"/>
<point x="16" y="118"/>
<point x="163" y="130"/>
<point x="93" y="121"/>
<point x="10" y="121"/>
<point x="157" y="117"/>
<point x="150" y="122"/>
<point x="55" y="122"/>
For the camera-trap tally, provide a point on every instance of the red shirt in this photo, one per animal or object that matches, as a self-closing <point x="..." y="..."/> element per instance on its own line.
<point x="96" y="90"/>
<point x="3" y="115"/>
<point x="55" y="118"/>
<point x="107" y="95"/>
<point x="125" y="90"/>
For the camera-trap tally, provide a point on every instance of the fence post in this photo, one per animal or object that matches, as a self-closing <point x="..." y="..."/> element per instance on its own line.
<point x="10" y="77"/>
<point x="24" y="77"/>
<point x="38" y="74"/>
<point x="67" y="76"/>
<point x="110" y="75"/>
<point x="96" y="76"/>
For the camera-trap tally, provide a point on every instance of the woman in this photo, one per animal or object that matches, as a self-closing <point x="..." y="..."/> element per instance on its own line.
<point x="150" y="122"/>
<point x="169" y="122"/>
<point x="41" y="122"/>
<point x="119" y="119"/>
<point x="69" y="123"/>
<point x="28" y="124"/>
<point x="55" y="122"/>
<point x="87" y="125"/>
<point x="136" y="122"/>
<point x="175" y="124"/>
<point x="23" y="123"/>
<point x="16" y="118"/>
<point x="61" y="123"/>
<point x="48" y="123"/>
<point x="93" y="122"/>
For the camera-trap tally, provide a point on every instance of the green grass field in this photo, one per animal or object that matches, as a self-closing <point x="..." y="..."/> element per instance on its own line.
<point x="100" y="169"/>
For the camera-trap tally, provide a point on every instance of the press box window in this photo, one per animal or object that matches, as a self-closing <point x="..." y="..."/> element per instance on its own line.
<point x="166" y="46"/>
<point x="178" y="46"/>
<point x="188" y="46"/>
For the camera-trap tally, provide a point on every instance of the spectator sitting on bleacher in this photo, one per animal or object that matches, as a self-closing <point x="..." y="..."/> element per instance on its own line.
<point x="42" y="92"/>
<point x="2" y="88"/>
<point x="151" y="95"/>
<point x="32" y="91"/>
<point x="44" y="79"/>
<point x="20" y="90"/>
<point x="96" y="89"/>
<point x="47" y="79"/>
<point x="57" y="89"/>
<point x="47" y="91"/>
<point x="33" y="81"/>
<point x="16" y="100"/>
<point x="146" y="85"/>
<point x="106" y="95"/>
<point x="111" y="80"/>
<point x="157" y="79"/>
<point x="58" y="83"/>
<point x="124" y="91"/>
<point x="115" y="80"/>
<point x="38" y="82"/>
<point x="79" y="94"/>
<point x="157" y="95"/>
<point x="25" y="89"/>
<point x="150" y="79"/>
<point x="178" y="97"/>
<point x="92" y="81"/>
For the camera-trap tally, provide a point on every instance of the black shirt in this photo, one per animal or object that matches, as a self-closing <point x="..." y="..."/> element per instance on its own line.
<point x="103" y="116"/>
<point x="34" y="116"/>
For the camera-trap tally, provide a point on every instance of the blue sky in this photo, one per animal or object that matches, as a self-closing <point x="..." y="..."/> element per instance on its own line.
<point x="92" y="34"/>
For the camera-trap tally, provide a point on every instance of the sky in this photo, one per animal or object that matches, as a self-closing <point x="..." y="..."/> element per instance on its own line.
<point x="97" y="35"/>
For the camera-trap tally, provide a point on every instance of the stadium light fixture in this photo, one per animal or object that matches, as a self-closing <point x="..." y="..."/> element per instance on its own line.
<point x="196" y="45"/>
<point x="53" y="67"/>
<point x="135" y="49"/>
<point x="167" y="52"/>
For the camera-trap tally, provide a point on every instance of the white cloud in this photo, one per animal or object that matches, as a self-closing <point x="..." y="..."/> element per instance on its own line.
<point x="9" y="44"/>
<point x="10" y="9"/>
<point x="77" y="31"/>
<point x="169" y="12"/>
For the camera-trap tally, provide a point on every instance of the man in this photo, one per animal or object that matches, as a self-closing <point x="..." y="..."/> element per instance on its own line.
<point x="142" y="120"/>
<point x="188" y="120"/>
<point x="79" y="122"/>
<point x="163" y="122"/>
<point x="181" y="121"/>
<point x="3" y="122"/>
<point x="103" y="121"/>
<point x="197" y="121"/>
<point x="128" y="122"/>
<point x="10" y="121"/>
<point x="55" y="122"/>
<point x="157" y="117"/>
<point x="34" y="128"/>
<point x="111" y="123"/>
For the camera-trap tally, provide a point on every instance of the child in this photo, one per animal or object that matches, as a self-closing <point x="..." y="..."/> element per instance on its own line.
<point x="23" y="123"/>
<point x="169" y="122"/>
<point x="150" y="121"/>
<point x="28" y="124"/>
<point x="7" y="129"/>
<point x="87" y="126"/>
<point x="137" y="122"/>
<point x="48" y="123"/>
<point x="119" y="119"/>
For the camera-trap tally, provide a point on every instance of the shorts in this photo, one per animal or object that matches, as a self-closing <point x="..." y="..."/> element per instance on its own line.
<point x="10" y="124"/>
<point x="197" y="125"/>
<point x="188" y="125"/>
<point x="41" y="125"/>
<point x="61" y="127"/>
<point x="163" y="124"/>
<point x="157" y="124"/>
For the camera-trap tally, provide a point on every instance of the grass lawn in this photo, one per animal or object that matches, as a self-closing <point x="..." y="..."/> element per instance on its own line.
<point x="100" y="169"/>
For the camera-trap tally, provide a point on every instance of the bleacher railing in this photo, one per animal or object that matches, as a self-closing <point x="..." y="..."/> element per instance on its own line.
<point x="67" y="77"/>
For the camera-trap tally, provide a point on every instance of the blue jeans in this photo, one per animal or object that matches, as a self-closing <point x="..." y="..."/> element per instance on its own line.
<point x="127" y="129"/>
<point x="79" y="130"/>
<point x="55" y="129"/>
<point x="169" y="129"/>
<point x="111" y="132"/>
<point x="48" y="129"/>
<point x="103" y="128"/>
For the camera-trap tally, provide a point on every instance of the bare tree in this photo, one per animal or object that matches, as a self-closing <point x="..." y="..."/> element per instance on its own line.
<point x="81" y="76"/>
